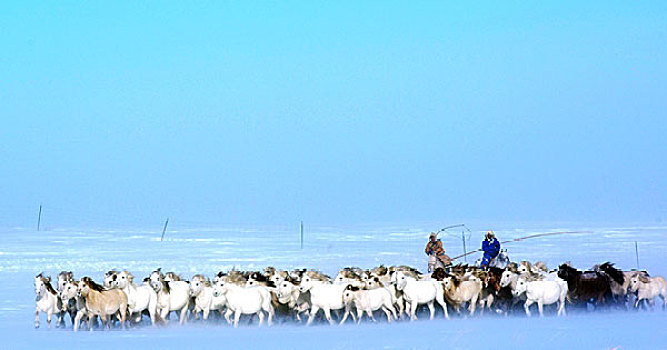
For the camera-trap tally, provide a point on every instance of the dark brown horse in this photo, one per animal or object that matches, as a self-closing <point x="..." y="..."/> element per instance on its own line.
<point x="585" y="287"/>
<point x="504" y="300"/>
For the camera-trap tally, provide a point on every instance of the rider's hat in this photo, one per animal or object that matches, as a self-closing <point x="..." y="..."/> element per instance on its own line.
<point x="432" y="235"/>
<point x="490" y="233"/>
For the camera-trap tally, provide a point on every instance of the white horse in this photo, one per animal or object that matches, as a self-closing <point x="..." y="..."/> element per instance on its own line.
<point x="288" y="294"/>
<point x="63" y="278"/>
<point x="139" y="298"/>
<point x="369" y="301"/>
<point x="70" y="296"/>
<point x="247" y="301"/>
<point x="648" y="288"/>
<point x="420" y="292"/>
<point x="544" y="292"/>
<point x="397" y="295"/>
<point x="171" y="296"/>
<point x="202" y="292"/>
<point x="323" y="296"/>
<point x="47" y="299"/>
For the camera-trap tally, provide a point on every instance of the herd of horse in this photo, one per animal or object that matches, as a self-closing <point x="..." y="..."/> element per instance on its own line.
<point x="399" y="292"/>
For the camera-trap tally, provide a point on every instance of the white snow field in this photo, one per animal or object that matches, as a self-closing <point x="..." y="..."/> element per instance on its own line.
<point x="24" y="253"/>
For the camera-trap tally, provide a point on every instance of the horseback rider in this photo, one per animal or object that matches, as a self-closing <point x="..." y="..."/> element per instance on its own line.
<point x="491" y="248"/>
<point x="436" y="253"/>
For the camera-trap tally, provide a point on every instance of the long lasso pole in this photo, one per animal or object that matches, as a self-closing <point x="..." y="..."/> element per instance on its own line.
<point x="524" y="238"/>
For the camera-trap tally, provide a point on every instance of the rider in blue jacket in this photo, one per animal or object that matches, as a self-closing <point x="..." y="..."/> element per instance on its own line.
<point x="491" y="248"/>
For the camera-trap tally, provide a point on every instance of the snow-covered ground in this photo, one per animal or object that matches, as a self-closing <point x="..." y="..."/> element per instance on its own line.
<point x="24" y="253"/>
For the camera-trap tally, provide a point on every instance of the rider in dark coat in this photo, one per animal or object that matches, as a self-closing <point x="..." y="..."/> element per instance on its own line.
<point x="491" y="248"/>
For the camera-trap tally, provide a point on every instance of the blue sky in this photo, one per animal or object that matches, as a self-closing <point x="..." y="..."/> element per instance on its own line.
<point x="336" y="112"/>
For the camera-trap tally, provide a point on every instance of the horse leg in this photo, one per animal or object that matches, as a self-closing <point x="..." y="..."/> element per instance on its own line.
<point x="387" y="312"/>
<point x="77" y="319"/>
<point x="526" y="306"/>
<point x="347" y="313"/>
<point x="270" y="312"/>
<point x="103" y="319"/>
<point x="260" y="314"/>
<point x="205" y="314"/>
<point x="360" y="315"/>
<point x="37" y="317"/>
<point x="184" y="315"/>
<point x="163" y="314"/>
<point x="441" y="300"/>
<point x="561" y="307"/>
<point x="370" y="314"/>
<point x="228" y="315"/>
<point x="473" y="303"/>
<point x="413" y="310"/>
<point x="237" y="316"/>
<point x="313" y="311"/>
<point x="91" y="320"/>
<point x="123" y="317"/>
<point x="354" y="318"/>
<point x="400" y="301"/>
<point x="540" y="307"/>
<point x="327" y="314"/>
<point x="390" y="307"/>
<point x="48" y="318"/>
<point x="59" y="322"/>
<point x="431" y="310"/>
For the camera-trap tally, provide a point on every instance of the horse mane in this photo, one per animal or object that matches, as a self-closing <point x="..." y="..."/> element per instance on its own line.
<point x="68" y="275"/>
<point x="380" y="270"/>
<point x="455" y="280"/>
<point x="527" y="264"/>
<point x="439" y="274"/>
<point x="614" y="273"/>
<point x="130" y="276"/>
<point x="643" y="278"/>
<point x="541" y="265"/>
<point x="349" y="274"/>
<point x="292" y="280"/>
<point x="567" y="267"/>
<point x="259" y="277"/>
<point x="203" y="279"/>
<point x="94" y="286"/>
<point x="174" y="276"/>
<point x="377" y="280"/>
<point x="165" y="285"/>
<point x="47" y="283"/>
<point x="495" y="270"/>
<point x="318" y="275"/>
<point x="512" y="266"/>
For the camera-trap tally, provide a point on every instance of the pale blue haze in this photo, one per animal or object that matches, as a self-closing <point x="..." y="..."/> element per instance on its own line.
<point x="334" y="112"/>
